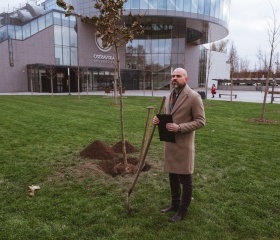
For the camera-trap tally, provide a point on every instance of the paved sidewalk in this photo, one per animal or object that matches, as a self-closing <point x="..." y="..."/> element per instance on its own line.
<point x="242" y="96"/>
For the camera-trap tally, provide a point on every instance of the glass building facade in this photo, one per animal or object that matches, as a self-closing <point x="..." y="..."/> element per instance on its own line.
<point x="175" y="30"/>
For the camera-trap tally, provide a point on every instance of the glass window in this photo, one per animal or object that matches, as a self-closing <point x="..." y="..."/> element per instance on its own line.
<point x="212" y="8"/>
<point x="26" y="29"/>
<point x="167" y="58"/>
<point x="207" y="7"/>
<point x="187" y="6"/>
<point x="127" y="4"/>
<point x="161" y="60"/>
<point x="217" y="9"/>
<point x="65" y="36"/>
<point x="58" y="55"/>
<point x="194" y="7"/>
<point x="3" y="33"/>
<point x="49" y="19"/>
<point x="57" y="35"/>
<point x="42" y="23"/>
<point x="135" y="4"/>
<point x="74" y="57"/>
<point x="19" y="34"/>
<point x="179" y="5"/>
<point x="162" y="46"/>
<point x="152" y="4"/>
<point x="155" y="45"/>
<point x="162" y="4"/>
<point x="73" y="38"/>
<point x="72" y="20"/>
<point x="66" y="56"/>
<point x="11" y="31"/>
<point x="143" y="4"/>
<point x="34" y="27"/>
<point x="65" y="21"/>
<point x="170" y="5"/>
<point x="201" y="7"/>
<point x="57" y="18"/>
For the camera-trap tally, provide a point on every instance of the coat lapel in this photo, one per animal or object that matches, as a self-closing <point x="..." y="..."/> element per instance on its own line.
<point x="182" y="97"/>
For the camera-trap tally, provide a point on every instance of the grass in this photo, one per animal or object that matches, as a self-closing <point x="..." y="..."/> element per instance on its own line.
<point x="236" y="179"/>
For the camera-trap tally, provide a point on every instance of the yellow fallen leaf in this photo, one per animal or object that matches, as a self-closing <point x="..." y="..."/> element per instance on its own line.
<point x="31" y="189"/>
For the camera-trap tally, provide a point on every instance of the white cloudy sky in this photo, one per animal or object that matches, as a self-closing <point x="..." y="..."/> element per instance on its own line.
<point x="248" y="24"/>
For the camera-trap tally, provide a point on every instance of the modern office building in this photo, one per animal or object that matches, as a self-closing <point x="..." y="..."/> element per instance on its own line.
<point x="42" y="50"/>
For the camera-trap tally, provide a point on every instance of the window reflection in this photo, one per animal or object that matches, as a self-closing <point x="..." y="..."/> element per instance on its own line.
<point x="65" y="36"/>
<point x="34" y="27"/>
<point x="18" y="31"/>
<point x="41" y="23"/>
<point x="214" y="8"/>
<point x="201" y="7"/>
<point x="66" y="56"/>
<point x="57" y="35"/>
<point x="135" y="4"/>
<point x="49" y="19"/>
<point x="73" y="38"/>
<point x="11" y="31"/>
<point x="179" y="5"/>
<point x="26" y="30"/>
<point x="194" y="6"/>
<point x="58" y="55"/>
<point x="74" y="57"/>
<point x="152" y="4"/>
<point x="57" y="18"/>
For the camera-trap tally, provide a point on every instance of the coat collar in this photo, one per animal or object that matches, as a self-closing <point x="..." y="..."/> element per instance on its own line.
<point x="182" y="97"/>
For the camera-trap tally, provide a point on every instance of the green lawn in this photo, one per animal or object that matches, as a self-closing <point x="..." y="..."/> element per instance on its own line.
<point x="236" y="180"/>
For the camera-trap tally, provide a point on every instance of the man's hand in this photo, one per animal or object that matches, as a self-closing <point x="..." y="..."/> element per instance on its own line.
<point x="155" y="120"/>
<point x="173" y="127"/>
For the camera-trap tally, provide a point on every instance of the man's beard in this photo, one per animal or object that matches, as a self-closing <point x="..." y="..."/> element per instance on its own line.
<point x="177" y="85"/>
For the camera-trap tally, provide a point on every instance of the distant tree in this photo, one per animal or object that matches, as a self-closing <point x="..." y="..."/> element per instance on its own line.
<point x="219" y="46"/>
<point x="51" y="75"/>
<point x="233" y="60"/>
<point x="244" y="67"/>
<point x="30" y="72"/>
<point x="114" y="31"/>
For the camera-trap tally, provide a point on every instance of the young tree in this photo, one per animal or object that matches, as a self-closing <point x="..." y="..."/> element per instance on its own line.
<point x="114" y="31"/>
<point x="273" y="32"/>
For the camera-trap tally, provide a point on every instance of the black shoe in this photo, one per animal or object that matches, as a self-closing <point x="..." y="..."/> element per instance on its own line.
<point x="176" y="218"/>
<point x="171" y="208"/>
<point x="179" y="216"/>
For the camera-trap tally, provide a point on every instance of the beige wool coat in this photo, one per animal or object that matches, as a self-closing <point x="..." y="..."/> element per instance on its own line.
<point x="188" y="111"/>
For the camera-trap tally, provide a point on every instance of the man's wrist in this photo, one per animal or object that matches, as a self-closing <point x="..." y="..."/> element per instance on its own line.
<point x="179" y="130"/>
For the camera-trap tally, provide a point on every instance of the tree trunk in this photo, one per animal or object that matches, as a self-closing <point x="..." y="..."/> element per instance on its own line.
<point x="121" y="107"/>
<point x="52" y="84"/>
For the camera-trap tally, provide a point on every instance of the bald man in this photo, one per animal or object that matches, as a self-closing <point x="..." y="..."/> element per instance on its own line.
<point x="187" y="110"/>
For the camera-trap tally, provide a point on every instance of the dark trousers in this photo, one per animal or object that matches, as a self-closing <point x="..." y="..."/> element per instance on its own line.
<point x="181" y="196"/>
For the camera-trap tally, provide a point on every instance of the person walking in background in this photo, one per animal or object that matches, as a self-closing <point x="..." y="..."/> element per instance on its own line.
<point x="187" y="110"/>
<point x="213" y="90"/>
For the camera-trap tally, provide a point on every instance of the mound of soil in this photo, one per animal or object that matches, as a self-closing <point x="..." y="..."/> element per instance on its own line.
<point x="110" y="162"/>
<point x="98" y="150"/>
<point x="129" y="147"/>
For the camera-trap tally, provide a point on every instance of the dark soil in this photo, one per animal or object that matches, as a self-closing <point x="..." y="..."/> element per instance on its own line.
<point x="264" y="121"/>
<point x="110" y="160"/>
